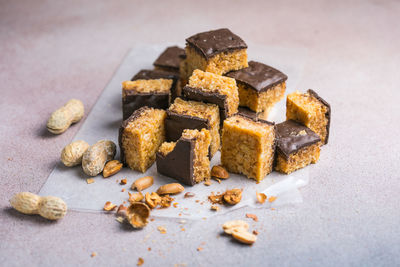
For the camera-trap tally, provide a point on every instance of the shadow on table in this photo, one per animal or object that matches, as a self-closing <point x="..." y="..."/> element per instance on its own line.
<point x="37" y="219"/>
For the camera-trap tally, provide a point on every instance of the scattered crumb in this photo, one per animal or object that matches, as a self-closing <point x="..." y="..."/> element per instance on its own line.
<point x="255" y="232"/>
<point x="10" y="159"/>
<point x="218" y="180"/>
<point x="124" y="181"/>
<point x="90" y="181"/>
<point x="94" y="254"/>
<point x="183" y="229"/>
<point x="120" y="219"/>
<point x="207" y="183"/>
<point x="216" y="199"/>
<point x="108" y="206"/>
<point x="123" y="190"/>
<point x="199" y="249"/>
<point x="252" y="216"/>
<point x="197" y="201"/>
<point x="261" y="197"/>
<point x="162" y="229"/>
<point x="215" y="207"/>
<point x="204" y="218"/>
<point x="149" y="248"/>
<point x="188" y="194"/>
<point x="175" y="204"/>
<point x="272" y="208"/>
<point x="271" y="199"/>
<point x="152" y="219"/>
<point x="182" y="221"/>
<point x="117" y="181"/>
<point x="140" y="262"/>
<point x="124" y="202"/>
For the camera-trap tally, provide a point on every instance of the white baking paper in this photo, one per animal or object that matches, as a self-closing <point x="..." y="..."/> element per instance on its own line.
<point x="103" y="123"/>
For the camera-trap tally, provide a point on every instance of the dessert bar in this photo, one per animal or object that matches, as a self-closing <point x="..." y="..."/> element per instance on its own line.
<point x="187" y="159"/>
<point x="140" y="136"/>
<point x="150" y="88"/>
<point x="297" y="146"/>
<point x="218" y="51"/>
<point x="215" y="89"/>
<point x="248" y="146"/>
<point x="310" y="110"/>
<point x="183" y="115"/>
<point x="260" y="86"/>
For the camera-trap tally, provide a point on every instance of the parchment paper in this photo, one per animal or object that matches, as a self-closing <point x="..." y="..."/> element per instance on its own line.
<point x="103" y="123"/>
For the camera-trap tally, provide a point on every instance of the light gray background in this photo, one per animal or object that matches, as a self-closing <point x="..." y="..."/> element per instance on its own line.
<point x="51" y="51"/>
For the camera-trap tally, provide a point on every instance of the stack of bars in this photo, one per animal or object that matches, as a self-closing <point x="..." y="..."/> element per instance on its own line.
<point x="208" y="97"/>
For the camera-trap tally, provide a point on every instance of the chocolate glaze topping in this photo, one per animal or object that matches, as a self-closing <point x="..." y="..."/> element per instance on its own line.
<point x="246" y="112"/>
<point x="133" y="101"/>
<point x="154" y="75"/>
<point x="170" y="58"/>
<point x="258" y="76"/>
<point x="293" y="136"/>
<point x="214" y="42"/>
<point x="327" y="114"/>
<point x="178" y="163"/>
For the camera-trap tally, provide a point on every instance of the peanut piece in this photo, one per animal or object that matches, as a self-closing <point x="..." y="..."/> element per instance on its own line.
<point x="219" y="172"/>
<point x="135" y="197"/>
<point x="152" y="200"/>
<point x="62" y="118"/>
<point x="109" y="206"/>
<point x="237" y="225"/>
<point x="143" y="183"/>
<point x="233" y="196"/>
<point x="96" y="156"/>
<point x="72" y="153"/>
<point x="244" y="237"/>
<point x="52" y="208"/>
<point x="121" y="211"/>
<point x="173" y="188"/>
<point x="261" y="197"/>
<point x="111" y="168"/>
<point x="137" y="214"/>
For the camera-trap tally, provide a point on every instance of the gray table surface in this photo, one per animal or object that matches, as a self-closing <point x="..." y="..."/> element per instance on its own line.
<point x="51" y="51"/>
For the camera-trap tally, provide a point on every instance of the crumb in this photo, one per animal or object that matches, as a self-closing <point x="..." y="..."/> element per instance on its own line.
<point x="216" y="199"/>
<point x="255" y="232"/>
<point x="218" y="180"/>
<point x="188" y="194"/>
<point x="271" y="199"/>
<point x="182" y="221"/>
<point x="183" y="229"/>
<point x="10" y="159"/>
<point x="140" y="262"/>
<point x="272" y="208"/>
<point x="252" y="216"/>
<point x="124" y="181"/>
<point x="90" y="181"/>
<point x="175" y="204"/>
<point x="123" y="190"/>
<point x="199" y="249"/>
<point x="149" y="248"/>
<point x="215" y="207"/>
<point x="162" y="229"/>
<point x="207" y="183"/>
<point x="152" y="219"/>
<point x="117" y="181"/>
<point x="120" y="219"/>
<point x="197" y="201"/>
<point x="94" y="254"/>
<point x="261" y="197"/>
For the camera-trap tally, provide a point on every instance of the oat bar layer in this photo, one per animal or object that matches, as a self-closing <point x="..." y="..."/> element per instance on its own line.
<point x="248" y="146"/>
<point x="140" y="137"/>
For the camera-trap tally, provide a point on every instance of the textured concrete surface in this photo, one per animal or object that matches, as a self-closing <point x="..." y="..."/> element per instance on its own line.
<point x="51" y="51"/>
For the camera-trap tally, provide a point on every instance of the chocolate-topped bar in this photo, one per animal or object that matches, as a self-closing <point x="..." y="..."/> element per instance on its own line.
<point x="212" y="88"/>
<point x="183" y="115"/>
<point x="218" y="51"/>
<point x="260" y="86"/>
<point x="248" y="146"/>
<point x="187" y="159"/>
<point x="310" y="110"/>
<point x="140" y="136"/>
<point x="297" y="146"/>
<point x="170" y="59"/>
<point x="150" y="88"/>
